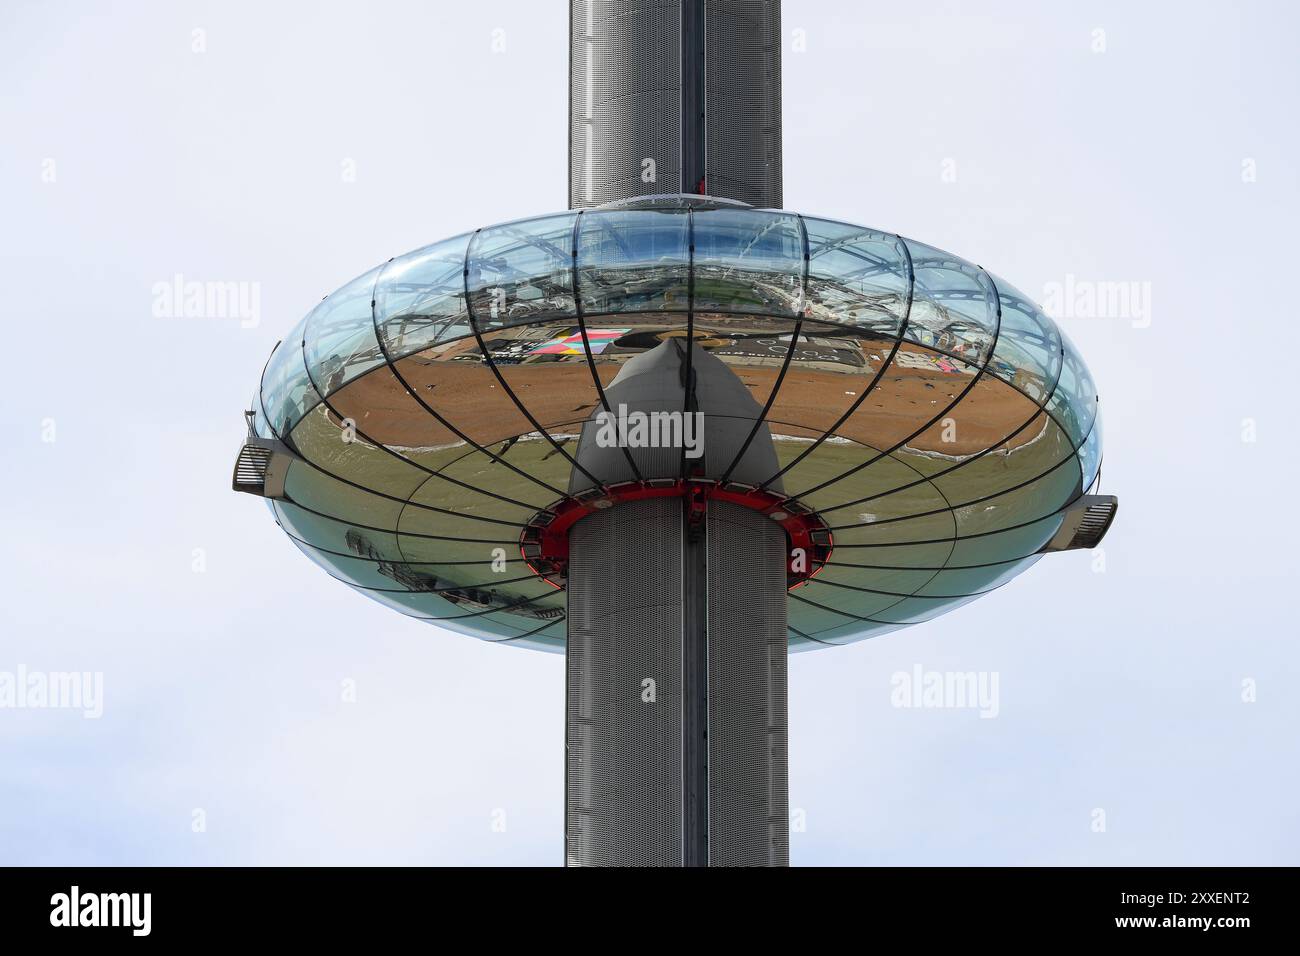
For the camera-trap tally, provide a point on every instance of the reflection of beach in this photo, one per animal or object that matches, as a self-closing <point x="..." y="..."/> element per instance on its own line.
<point x="903" y="400"/>
<point x="815" y="393"/>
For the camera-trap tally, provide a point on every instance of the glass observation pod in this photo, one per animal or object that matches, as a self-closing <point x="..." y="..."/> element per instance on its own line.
<point x="928" y="422"/>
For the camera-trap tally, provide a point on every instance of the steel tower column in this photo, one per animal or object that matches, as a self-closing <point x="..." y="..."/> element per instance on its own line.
<point x="670" y="96"/>
<point x="675" y="737"/>
<point x="675" y="733"/>
<point x="676" y="655"/>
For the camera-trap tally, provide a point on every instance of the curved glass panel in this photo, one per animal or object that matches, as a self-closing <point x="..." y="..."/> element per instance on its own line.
<point x="420" y="298"/>
<point x="888" y="580"/>
<point x="328" y="534"/>
<point x="480" y="469"/>
<point x="748" y="261"/>
<point x="958" y="582"/>
<point x="798" y="644"/>
<point x="506" y="610"/>
<point x="427" y="605"/>
<point x="1090" y="453"/>
<point x="359" y="572"/>
<point x="857" y="631"/>
<point x="954" y="305"/>
<point x="936" y="529"/>
<point x="526" y="617"/>
<point x="548" y="637"/>
<point x="1028" y="353"/>
<point x="1074" y="403"/>
<point x="339" y="342"/>
<point x="909" y="411"/>
<point x="634" y="261"/>
<point x="1034" y="452"/>
<point x="858" y="602"/>
<point x="918" y="610"/>
<point x="857" y="277"/>
<point x="811" y="616"/>
<point x="314" y="489"/>
<point x="286" y="394"/>
<point x="521" y="271"/>
<point x="812" y="383"/>
<point x="1021" y="541"/>
<point x="1044" y="495"/>
<point x="321" y="441"/>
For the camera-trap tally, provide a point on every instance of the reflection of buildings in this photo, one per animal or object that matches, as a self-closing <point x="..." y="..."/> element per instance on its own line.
<point x="826" y="363"/>
<point x="753" y="342"/>
<point x="477" y="599"/>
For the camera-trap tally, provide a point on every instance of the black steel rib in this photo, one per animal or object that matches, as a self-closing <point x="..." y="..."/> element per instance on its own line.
<point x="487" y="358"/>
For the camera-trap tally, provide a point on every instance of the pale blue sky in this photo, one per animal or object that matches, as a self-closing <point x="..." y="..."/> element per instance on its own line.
<point x="1118" y="690"/>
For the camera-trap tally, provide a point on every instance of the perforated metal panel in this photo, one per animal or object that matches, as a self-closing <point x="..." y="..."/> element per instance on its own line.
<point x="626" y="799"/>
<point x="743" y="100"/>
<point x="625" y="99"/>
<point x="628" y="89"/>
<point x="623" y="761"/>
<point x="748" y="776"/>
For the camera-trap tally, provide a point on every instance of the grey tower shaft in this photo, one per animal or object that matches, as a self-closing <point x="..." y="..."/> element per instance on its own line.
<point x="675" y="735"/>
<point x="675" y="731"/>
<point x="674" y="96"/>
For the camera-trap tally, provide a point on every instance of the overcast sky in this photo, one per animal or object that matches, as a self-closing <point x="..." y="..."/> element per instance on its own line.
<point x="1147" y="707"/>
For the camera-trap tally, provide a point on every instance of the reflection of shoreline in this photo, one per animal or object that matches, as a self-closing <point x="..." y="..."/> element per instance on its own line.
<point x="830" y="440"/>
<point x="429" y="449"/>
<point x="997" y="450"/>
<point x="824" y="379"/>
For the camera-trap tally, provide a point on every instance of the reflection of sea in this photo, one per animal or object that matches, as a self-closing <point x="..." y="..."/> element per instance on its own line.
<point x="806" y="440"/>
<point x="482" y="599"/>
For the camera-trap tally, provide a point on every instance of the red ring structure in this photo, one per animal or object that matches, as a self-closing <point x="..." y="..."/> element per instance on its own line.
<point x="544" y="543"/>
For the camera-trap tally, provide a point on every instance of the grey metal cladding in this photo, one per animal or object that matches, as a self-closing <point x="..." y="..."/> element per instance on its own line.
<point x="625" y="99"/>
<point x="743" y="100"/>
<point x="624" y="800"/>
<point x="748" y="737"/>
<point x="623" y="754"/>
